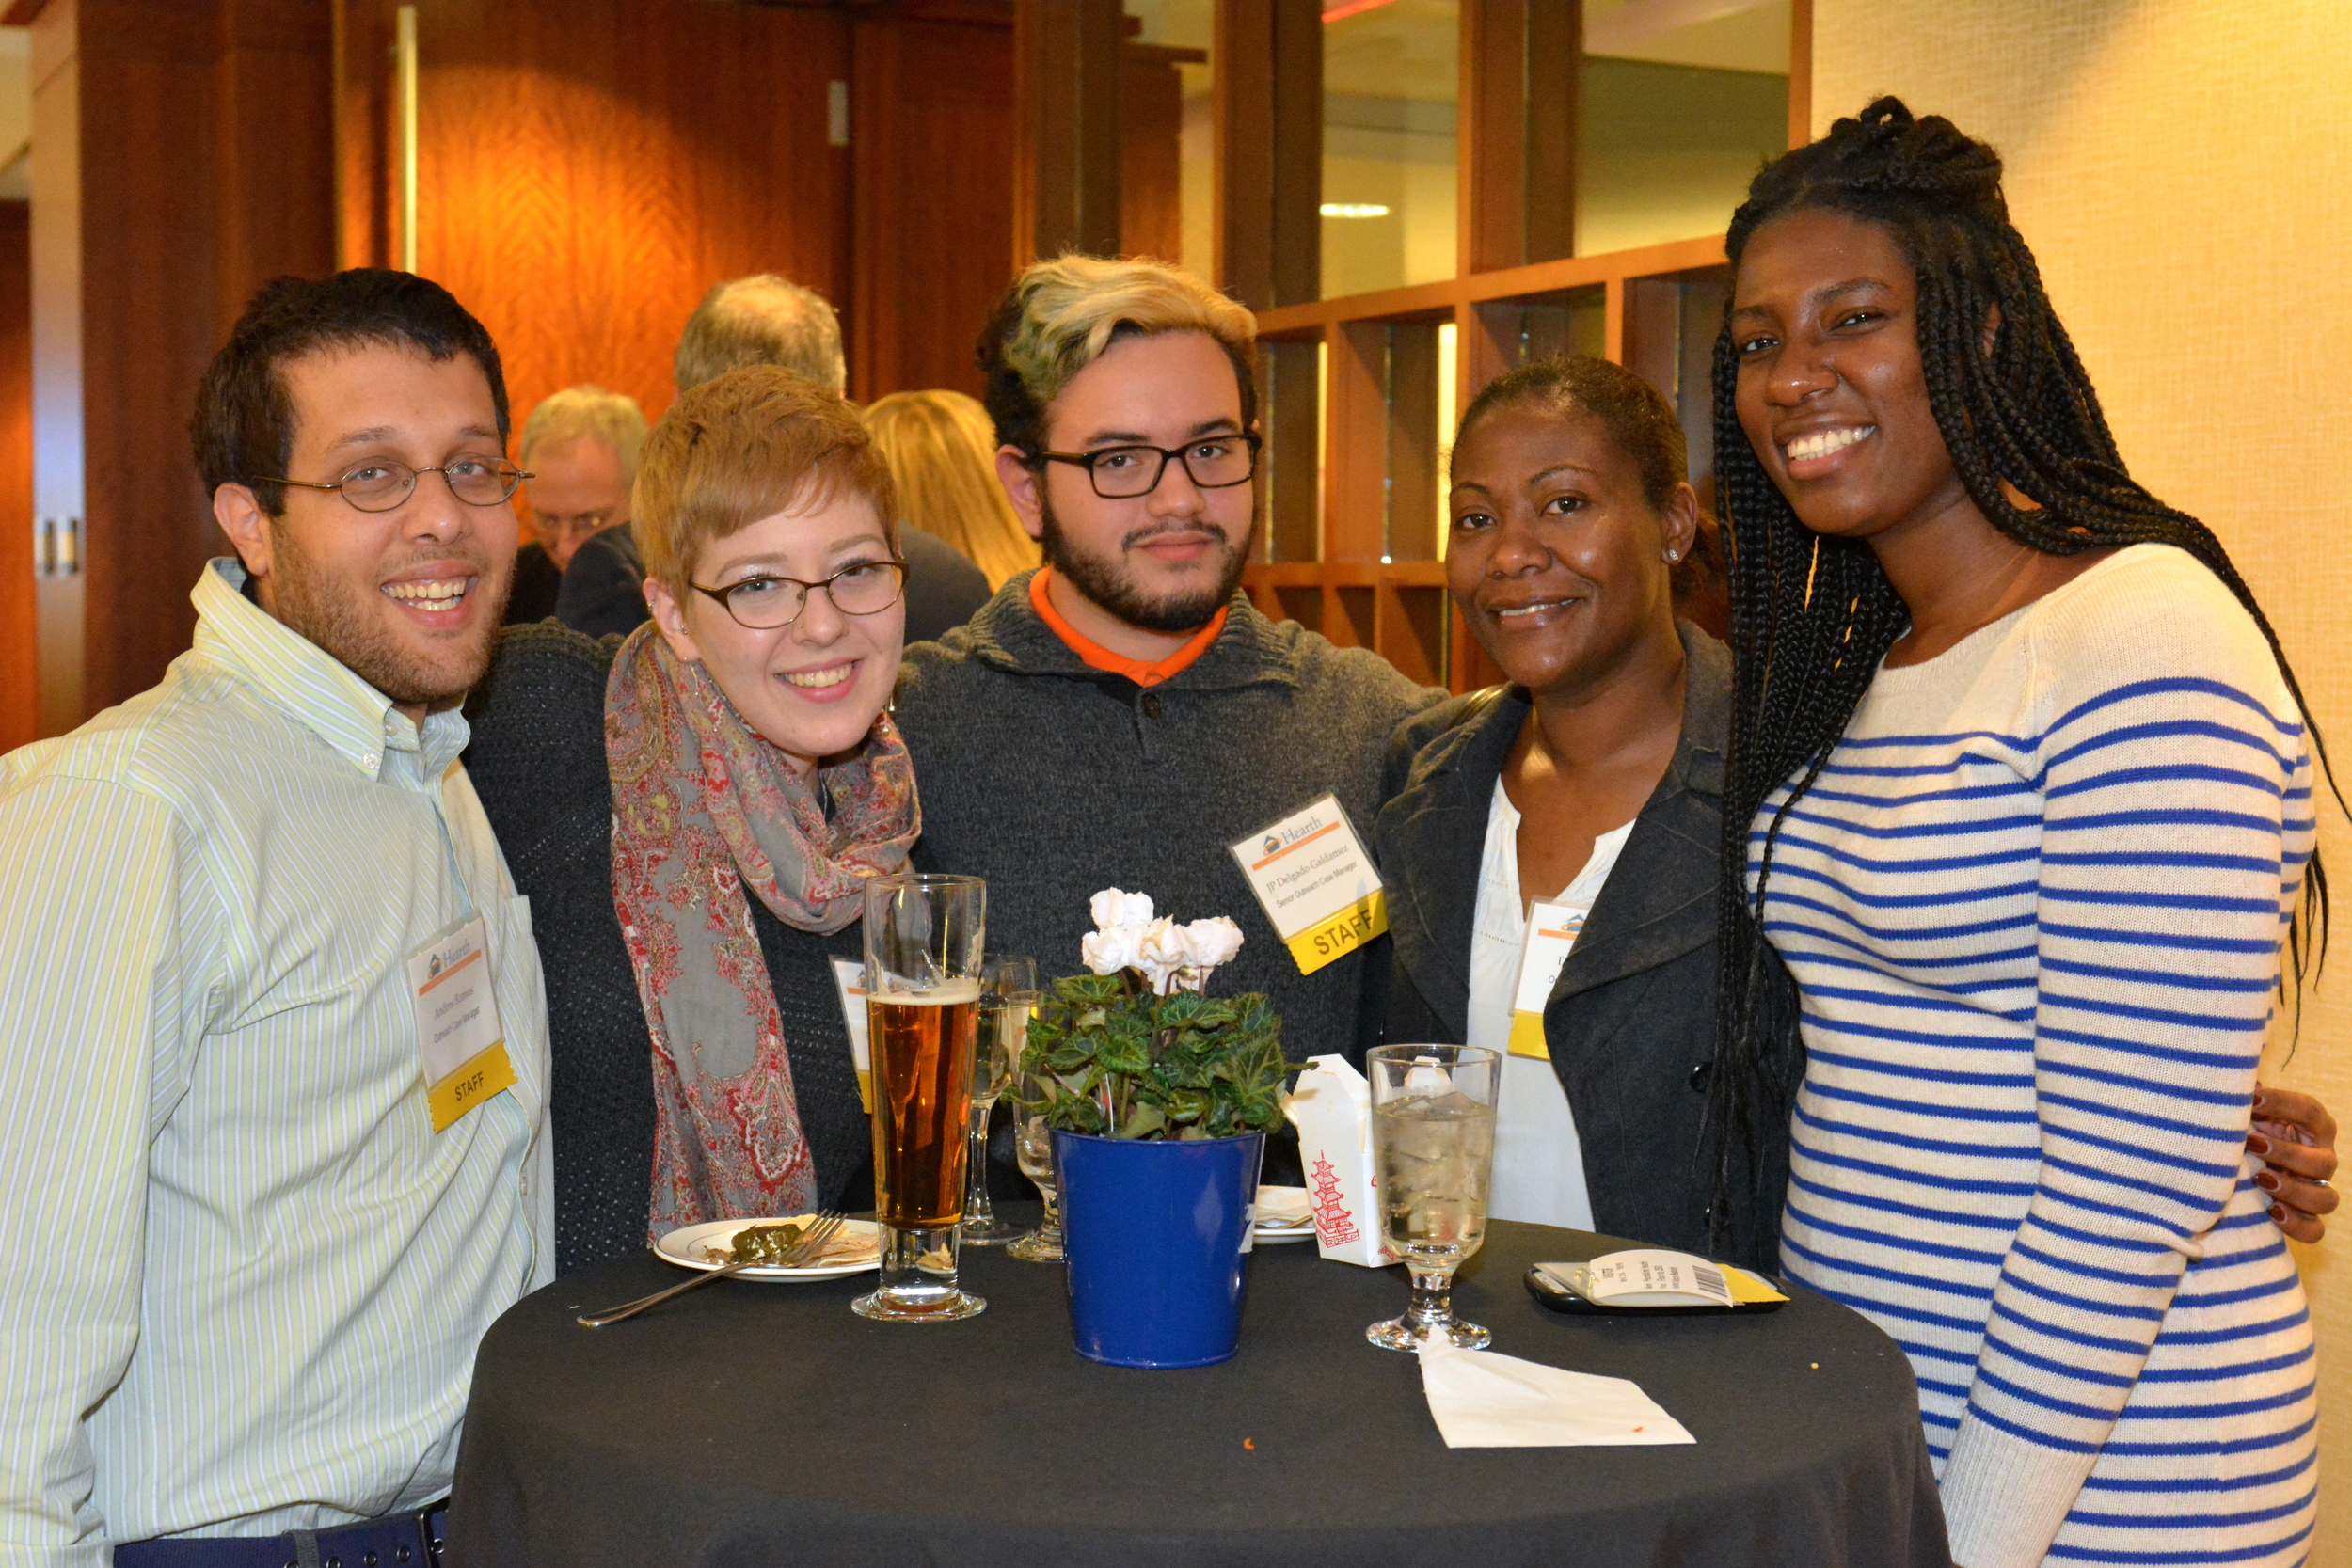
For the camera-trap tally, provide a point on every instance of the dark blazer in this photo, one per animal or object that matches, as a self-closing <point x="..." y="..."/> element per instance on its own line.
<point x="537" y="762"/>
<point x="1632" y="1022"/>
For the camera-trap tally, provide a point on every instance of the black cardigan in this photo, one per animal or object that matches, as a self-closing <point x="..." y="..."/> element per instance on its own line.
<point x="1631" y="1021"/>
<point x="537" y="761"/>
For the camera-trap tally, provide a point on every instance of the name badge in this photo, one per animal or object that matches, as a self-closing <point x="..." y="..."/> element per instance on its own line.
<point x="1552" y="933"/>
<point x="1315" y="882"/>
<point x="459" y="1039"/>
<point x="849" y="976"/>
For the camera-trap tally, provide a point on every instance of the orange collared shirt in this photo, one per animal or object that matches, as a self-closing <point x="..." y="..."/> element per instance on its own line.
<point x="1098" y="658"/>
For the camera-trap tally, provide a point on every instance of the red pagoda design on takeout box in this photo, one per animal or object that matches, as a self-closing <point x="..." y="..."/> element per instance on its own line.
<point x="1332" y="1222"/>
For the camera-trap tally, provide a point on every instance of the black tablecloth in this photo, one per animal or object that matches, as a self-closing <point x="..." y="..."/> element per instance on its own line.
<point x="765" y="1423"/>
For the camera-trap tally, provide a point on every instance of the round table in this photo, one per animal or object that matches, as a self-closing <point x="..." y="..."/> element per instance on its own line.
<point x="753" y="1423"/>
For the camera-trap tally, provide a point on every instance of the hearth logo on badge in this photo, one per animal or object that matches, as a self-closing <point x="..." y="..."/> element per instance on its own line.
<point x="1272" y="844"/>
<point x="434" y="969"/>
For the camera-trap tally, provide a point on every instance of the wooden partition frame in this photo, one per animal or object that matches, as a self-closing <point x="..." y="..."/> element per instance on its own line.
<point x="1355" y="566"/>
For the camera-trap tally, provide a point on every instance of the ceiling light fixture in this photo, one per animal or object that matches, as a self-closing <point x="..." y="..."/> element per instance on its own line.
<point x="1354" y="210"/>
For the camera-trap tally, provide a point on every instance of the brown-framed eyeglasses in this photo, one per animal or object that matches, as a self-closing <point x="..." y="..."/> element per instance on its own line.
<point x="770" y="603"/>
<point x="382" y="485"/>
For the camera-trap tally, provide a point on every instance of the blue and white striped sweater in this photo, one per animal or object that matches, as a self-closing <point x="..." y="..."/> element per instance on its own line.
<point x="2034" y="905"/>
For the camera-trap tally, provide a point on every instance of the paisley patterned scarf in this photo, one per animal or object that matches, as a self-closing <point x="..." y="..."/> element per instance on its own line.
<point x="703" y="809"/>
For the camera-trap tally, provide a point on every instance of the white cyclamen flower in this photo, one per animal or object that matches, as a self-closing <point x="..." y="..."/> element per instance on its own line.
<point x="1165" y="948"/>
<point x="1114" y="908"/>
<point x="1109" y="951"/>
<point x="1213" y="941"/>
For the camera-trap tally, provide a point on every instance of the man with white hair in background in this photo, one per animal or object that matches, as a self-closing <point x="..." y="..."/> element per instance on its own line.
<point x="580" y="447"/>
<point x="762" y="320"/>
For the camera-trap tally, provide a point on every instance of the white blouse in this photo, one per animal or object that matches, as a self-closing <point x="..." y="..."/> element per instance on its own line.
<point x="1539" y="1167"/>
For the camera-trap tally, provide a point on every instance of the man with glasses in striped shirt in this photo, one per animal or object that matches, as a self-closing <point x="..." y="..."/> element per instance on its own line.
<point x="252" y="1222"/>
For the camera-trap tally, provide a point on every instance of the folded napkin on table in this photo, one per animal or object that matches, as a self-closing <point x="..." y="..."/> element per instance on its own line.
<point x="1482" y="1400"/>
<point x="1283" y="1206"/>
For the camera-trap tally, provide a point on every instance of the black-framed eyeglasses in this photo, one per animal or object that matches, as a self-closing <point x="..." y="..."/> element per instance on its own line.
<point x="770" y="603"/>
<point x="1122" y="474"/>
<point x="381" y="485"/>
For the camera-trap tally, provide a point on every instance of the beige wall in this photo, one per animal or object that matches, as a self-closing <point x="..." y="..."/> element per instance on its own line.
<point x="2183" y="169"/>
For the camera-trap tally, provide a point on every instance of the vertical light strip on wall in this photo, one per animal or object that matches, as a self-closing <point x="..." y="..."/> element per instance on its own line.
<point x="404" y="52"/>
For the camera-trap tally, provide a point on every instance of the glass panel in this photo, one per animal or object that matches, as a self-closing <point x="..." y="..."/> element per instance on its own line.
<point x="1390" y="76"/>
<point x="1166" y="173"/>
<point x="1675" y="115"/>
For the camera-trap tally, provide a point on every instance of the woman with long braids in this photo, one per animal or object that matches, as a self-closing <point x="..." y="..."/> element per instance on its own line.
<point x="2023" y="784"/>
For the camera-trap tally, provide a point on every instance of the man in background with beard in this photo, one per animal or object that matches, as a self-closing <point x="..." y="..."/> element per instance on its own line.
<point x="1122" y="715"/>
<point x="273" y="1095"/>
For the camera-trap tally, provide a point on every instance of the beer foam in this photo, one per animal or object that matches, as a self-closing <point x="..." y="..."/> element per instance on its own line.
<point x="946" y="995"/>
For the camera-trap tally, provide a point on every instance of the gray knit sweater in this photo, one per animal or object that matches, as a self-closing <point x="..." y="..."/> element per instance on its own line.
<point x="1053" y="780"/>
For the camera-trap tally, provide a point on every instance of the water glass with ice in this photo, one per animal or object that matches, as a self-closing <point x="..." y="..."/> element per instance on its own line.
<point x="1432" y="1140"/>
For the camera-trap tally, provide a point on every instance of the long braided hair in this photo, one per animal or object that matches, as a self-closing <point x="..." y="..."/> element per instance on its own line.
<point x="1812" y="616"/>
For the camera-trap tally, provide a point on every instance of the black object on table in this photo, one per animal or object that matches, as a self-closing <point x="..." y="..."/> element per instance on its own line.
<point x="760" y="1422"/>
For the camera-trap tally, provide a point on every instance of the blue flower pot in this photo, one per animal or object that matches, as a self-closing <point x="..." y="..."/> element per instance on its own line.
<point x="1153" y="1234"/>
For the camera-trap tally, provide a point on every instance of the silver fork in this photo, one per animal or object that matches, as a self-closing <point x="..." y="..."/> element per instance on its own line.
<point x="811" y="1244"/>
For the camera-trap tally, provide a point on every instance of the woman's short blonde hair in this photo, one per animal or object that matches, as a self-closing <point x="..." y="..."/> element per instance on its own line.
<point x="748" y="445"/>
<point x="941" y="453"/>
<point x="1060" y="315"/>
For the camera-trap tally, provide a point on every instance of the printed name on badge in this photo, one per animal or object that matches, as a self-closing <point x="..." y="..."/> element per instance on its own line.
<point x="849" y="977"/>
<point x="459" y="1039"/>
<point x="1551" y="932"/>
<point x="1315" y="882"/>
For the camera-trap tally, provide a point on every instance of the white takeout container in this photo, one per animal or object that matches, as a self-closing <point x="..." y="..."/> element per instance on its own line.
<point x="1331" y="1107"/>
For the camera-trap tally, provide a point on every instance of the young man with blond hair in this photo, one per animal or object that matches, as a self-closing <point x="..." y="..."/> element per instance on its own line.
<point x="580" y="447"/>
<point x="1122" y="715"/>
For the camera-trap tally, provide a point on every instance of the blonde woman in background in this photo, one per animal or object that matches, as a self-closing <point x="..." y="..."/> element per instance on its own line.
<point x="942" y="451"/>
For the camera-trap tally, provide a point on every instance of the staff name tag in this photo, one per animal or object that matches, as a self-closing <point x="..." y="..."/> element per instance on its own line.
<point x="1315" y="882"/>
<point x="1551" y="932"/>
<point x="459" y="1038"/>
<point x="848" y="976"/>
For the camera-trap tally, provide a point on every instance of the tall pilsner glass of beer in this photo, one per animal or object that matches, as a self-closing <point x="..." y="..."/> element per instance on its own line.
<point x="922" y="940"/>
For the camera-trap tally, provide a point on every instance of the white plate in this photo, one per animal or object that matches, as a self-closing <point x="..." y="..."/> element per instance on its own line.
<point x="1277" y="1237"/>
<point x="854" y="1250"/>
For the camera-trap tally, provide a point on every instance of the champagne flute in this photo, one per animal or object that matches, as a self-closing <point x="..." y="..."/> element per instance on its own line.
<point x="1033" y="1146"/>
<point x="1009" y="998"/>
<point x="1433" y="1138"/>
<point x="922" y="945"/>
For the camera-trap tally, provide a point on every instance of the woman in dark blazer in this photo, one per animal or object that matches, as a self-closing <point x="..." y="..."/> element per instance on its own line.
<point x="1594" y="778"/>
<point x="1630" y="1024"/>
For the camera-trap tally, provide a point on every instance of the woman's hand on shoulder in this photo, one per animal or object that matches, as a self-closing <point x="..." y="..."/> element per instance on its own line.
<point x="2297" y="1139"/>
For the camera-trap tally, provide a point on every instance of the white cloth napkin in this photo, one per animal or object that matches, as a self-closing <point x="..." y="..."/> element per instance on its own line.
<point x="1482" y="1400"/>
<point x="1283" y="1206"/>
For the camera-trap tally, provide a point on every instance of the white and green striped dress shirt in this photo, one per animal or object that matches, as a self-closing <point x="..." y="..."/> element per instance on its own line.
<point x="240" y="1277"/>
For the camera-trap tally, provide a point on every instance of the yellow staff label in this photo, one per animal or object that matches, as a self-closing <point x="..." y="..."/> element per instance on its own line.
<point x="1340" y="934"/>
<point x="481" y="1077"/>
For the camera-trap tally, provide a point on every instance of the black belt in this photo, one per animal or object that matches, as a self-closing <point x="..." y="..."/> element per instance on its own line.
<point x="397" y="1540"/>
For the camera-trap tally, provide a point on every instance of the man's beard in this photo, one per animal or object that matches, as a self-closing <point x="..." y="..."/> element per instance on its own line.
<point x="318" y="603"/>
<point x="1105" y="581"/>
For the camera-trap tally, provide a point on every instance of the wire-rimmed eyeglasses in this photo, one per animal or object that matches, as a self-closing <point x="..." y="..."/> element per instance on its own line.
<point x="1122" y="474"/>
<point x="770" y="603"/>
<point x="382" y="485"/>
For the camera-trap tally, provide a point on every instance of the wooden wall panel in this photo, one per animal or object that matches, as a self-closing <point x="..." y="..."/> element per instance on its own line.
<point x="20" y="698"/>
<point x="587" y="171"/>
<point x="1151" y="153"/>
<point x="932" y="143"/>
<point x="205" y="170"/>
